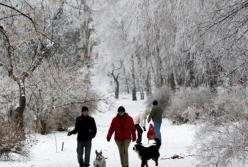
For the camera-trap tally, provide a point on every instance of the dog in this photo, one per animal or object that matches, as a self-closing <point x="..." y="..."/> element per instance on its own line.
<point x="100" y="160"/>
<point x="146" y="153"/>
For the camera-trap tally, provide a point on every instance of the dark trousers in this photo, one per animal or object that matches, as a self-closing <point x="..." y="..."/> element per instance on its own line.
<point x="140" y="131"/>
<point x="84" y="147"/>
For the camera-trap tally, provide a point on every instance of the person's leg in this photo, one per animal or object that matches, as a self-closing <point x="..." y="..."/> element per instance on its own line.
<point x="120" y="145"/>
<point x="87" y="153"/>
<point x="125" y="157"/>
<point x="140" y="131"/>
<point x="157" y="129"/>
<point x="80" y="149"/>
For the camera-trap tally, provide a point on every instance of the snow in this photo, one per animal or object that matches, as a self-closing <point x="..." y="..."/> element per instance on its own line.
<point x="176" y="139"/>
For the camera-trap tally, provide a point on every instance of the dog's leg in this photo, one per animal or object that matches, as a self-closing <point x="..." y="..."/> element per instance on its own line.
<point x="156" y="162"/>
<point x="143" y="163"/>
<point x="146" y="163"/>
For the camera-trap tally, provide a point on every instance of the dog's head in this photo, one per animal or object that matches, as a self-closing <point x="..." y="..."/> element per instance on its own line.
<point x="99" y="155"/>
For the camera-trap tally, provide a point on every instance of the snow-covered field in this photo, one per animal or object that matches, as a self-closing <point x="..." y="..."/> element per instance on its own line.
<point x="176" y="140"/>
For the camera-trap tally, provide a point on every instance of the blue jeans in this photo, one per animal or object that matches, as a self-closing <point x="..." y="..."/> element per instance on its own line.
<point x="157" y="126"/>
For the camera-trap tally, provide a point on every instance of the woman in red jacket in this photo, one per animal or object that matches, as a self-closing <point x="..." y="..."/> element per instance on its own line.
<point x="123" y="126"/>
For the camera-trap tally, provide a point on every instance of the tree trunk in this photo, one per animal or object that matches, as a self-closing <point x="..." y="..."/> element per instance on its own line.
<point x="142" y="94"/>
<point x="117" y="89"/>
<point x="134" y="91"/>
<point x="172" y="82"/>
<point x="148" y="84"/>
<point x="16" y="115"/>
<point x="134" y="97"/>
<point x="126" y="80"/>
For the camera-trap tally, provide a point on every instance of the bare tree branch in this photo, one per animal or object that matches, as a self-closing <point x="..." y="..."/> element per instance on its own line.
<point x="23" y="14"/>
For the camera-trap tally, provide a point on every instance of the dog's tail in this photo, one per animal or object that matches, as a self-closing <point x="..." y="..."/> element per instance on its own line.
<point x="158" y="142"/>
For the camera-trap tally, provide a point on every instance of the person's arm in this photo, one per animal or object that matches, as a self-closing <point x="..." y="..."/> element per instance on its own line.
<point x="111" y="130"/>
<point x="133" y="129"/>
<point x="151" y="115"/>
<point x="76" y="128"/>
<point x="94" y="129"/>
<point x="143" y="122"/>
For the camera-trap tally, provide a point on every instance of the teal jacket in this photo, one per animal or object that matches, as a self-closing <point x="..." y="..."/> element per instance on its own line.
<point x="156" y="114"/>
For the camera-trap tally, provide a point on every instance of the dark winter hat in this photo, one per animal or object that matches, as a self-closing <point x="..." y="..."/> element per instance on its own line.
<point x="121" y="109"/>
<point x="84" y="109"/>
<point x="155" y="102"/>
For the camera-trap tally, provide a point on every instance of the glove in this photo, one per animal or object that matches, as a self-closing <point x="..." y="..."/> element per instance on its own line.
<point x="144" y="128"/>
<point x="108" y="139"/>
<point x="133" y="139"/>
<point x="69" y="134"/>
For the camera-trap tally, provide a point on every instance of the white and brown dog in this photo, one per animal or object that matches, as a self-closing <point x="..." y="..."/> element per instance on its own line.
<point x="100" y="160"/>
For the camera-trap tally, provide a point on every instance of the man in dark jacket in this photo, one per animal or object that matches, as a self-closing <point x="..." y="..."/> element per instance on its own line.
<point x="156" y="116"/>
<point x="123" y="127"/>
<point x="86" y="128"/>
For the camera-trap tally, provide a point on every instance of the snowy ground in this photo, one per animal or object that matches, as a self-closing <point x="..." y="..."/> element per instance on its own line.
<point x="176" y="140"/>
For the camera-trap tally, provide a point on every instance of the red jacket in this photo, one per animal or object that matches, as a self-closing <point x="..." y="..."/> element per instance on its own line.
<point x="123" y="127"/>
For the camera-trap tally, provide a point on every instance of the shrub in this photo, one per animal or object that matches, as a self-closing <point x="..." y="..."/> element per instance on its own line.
<point x="223" y="138"/>
<point x="225" y="145"/>
<point x="11" y="139"/>
<point x="188" y="105"/>
<point x="230" y="105"/>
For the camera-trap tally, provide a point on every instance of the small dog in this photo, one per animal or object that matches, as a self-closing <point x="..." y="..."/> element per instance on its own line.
<point x="146" y="153"/>
<point x="100" y="160"/>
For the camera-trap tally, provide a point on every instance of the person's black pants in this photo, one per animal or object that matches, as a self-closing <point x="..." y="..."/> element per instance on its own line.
<point x="140" y="131"/>
<point x="84" y="147"/>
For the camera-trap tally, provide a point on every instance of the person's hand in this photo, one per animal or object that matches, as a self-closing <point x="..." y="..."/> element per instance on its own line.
<point x="69" y="134"/>
<point x="144" y="128"/>
<point x="108" y="139"/>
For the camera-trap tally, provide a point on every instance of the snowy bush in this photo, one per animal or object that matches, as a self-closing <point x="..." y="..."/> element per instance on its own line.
<point x="188" y="104"/>
<point x="225" y="145"/>
<point x="230" y="105"/>
<point x="223" y="138"/>
<point x="227" y="104"/>
<point x="55" y="119"/>
<point x="11" y="139"/>
<point x="59" y="118"/>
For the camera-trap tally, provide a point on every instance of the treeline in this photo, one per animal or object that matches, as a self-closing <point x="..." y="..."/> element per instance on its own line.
<point x="46" y="56"/>
<point x="193" y="56"/>
<point x="177" y="44"/>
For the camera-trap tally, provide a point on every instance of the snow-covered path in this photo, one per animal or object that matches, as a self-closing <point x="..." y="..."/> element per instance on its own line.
<point x="176" y="140"/>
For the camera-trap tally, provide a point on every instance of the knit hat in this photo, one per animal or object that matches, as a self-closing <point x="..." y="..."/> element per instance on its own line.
<point x="155" y="102"/>
<point x="121" y="109"/>
<point x="84" y="109"/>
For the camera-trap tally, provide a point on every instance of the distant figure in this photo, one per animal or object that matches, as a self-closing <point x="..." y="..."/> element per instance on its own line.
<point x="123" y="126"/>
<point x="140" y="124"/>
<point x="156" y="116"/>
<point x="85" y="126"/>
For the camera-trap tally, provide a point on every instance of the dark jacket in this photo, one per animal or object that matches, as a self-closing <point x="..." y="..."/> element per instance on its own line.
<point x="123" y="127"/>
<point x="85" y="126"/>
<point x="156" y="114"/>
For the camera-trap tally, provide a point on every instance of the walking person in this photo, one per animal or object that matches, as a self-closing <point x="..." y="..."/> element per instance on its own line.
<point x="123" y="127"/>
<point x="156" y="116"/>
<point x="140" y="124"/>
<point x="85" y="126"/>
